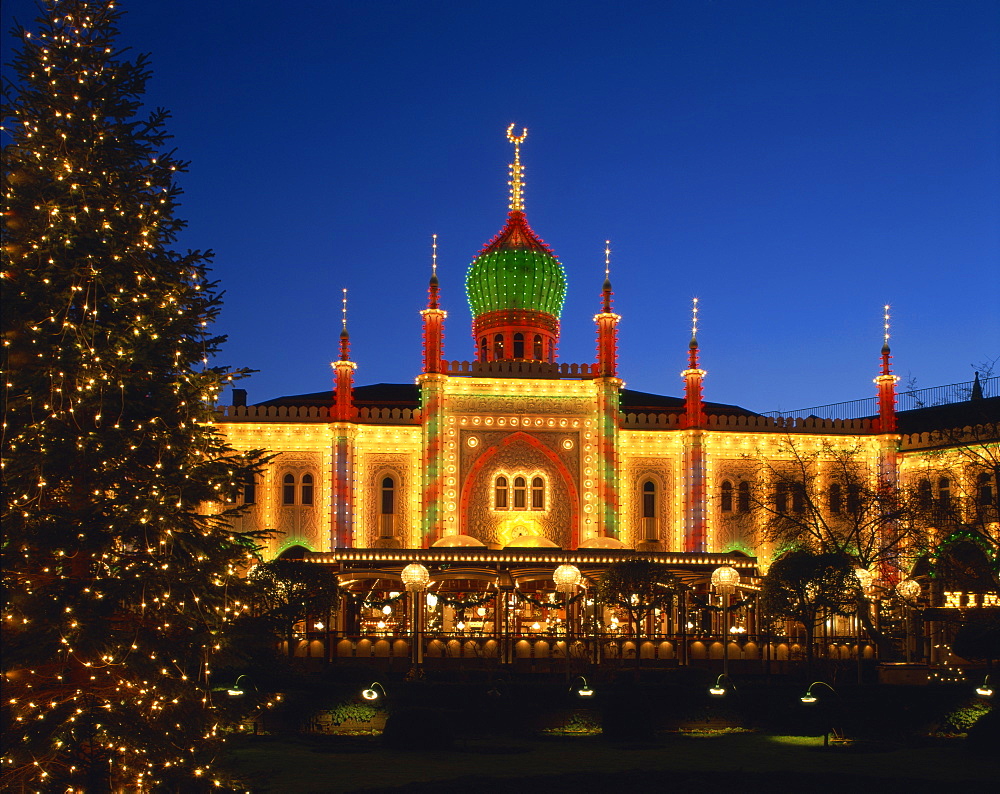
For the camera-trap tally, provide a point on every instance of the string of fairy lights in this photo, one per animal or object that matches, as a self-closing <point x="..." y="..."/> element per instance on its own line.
<point x="121" y="570"/>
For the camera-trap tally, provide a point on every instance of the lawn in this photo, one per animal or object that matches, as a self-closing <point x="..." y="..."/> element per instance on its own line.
<point x="745" y="761"/>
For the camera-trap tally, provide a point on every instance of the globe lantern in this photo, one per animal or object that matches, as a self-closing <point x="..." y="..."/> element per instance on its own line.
<point x="415" y="577"/>
<point x="908" y="589"/>
<point x="567" y="578"/>
<point x="725" y="579"/>
<point x="865" y="578"/>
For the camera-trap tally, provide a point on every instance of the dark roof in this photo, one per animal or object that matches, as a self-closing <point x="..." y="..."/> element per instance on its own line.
<point x="376" y="395"/>
<point x="407" y="395"/>
<point x="985" y="410"/>
<point x="644" y="402"/>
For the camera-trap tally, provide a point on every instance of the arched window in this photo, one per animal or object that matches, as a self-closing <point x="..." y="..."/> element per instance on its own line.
<point x="649" y="499"/>
<point x="944" y="493"/>
<point x="985" y="489"/>
<point x="484" y="350"/>
<point x="781" y="497"/>
<point x="538" y="351"/>
<point x="518" y="345"/>
<point x="498" y="347"/>
<point x="307" y="489"/>
<point x="387" y="508"/>
<point x="924" y="496"/>
<point x="727" y="496"/>
<point x="288" y="489"/>
<point x="500" y="494"/>
<point x="798" y="497"/>
<point x="743" y="498"/>
<point x="853" y="498"/>
<point x="836" y="498"/>
<point x="537" y="494"/>
<point x="520" y="493"/>
<point x="250" y="489"/>
<point x="649" y="528"/>
<point x="388" y="496"/>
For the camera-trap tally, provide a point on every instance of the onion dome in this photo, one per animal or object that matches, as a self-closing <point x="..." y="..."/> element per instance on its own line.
<point x="516" y="287"/>
<point x="516" y="270"/>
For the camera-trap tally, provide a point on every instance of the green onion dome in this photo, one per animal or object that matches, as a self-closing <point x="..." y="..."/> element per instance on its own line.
<point x="516" y="270"/>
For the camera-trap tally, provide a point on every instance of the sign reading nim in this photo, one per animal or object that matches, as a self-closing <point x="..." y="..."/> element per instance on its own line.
<point x="958" y="599"/>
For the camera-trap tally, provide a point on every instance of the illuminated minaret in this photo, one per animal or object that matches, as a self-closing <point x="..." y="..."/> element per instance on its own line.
<point x="889" y="454"/>
<point x="434" y="317"/>
<point x="609" y="406"/>
<point x="342" y="513"/>
<point x="433" y="524"/>
<point x="607" y="325"/>
<point x="694" y="407"/>
<point x="695" y="526"/>
<point x="343" y="368"/>
<point x="886" y="382"/>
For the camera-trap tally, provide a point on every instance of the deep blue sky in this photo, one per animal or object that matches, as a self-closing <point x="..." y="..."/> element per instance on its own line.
<point x="793" y="164"/>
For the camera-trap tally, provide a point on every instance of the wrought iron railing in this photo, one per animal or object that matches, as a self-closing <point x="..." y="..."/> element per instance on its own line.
<point x="905" y="401"/>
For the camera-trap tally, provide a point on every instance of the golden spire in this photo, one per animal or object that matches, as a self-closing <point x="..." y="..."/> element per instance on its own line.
<point x="434" y="255"/>
<point x="694" y="322"/>
<point x="343" y="309"/>
<point x="516" y="170"/>
<point x="607" y="259"/>
<point x="885" y="325"/>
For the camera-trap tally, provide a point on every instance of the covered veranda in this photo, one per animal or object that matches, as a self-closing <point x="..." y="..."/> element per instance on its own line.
<point x="481" y="607"/>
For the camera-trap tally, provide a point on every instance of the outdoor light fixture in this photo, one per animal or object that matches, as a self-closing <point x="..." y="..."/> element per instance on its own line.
<point x="415" y="576"/>
<point x="719" y="689"/>
<point x="725" y="579"/>
<point x="567" y="578"/>
<point x="908" y="589"/>
<point x="865" y="578"/>
<point x="235" y="692"/>
<point x="371" y="694"/>
<point x="984" y="690"/>
<point x="809" y="697"/>
<point x="584" y="690"/>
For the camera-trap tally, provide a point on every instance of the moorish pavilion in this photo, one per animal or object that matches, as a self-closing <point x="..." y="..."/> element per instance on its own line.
<point x="490" y="472"/>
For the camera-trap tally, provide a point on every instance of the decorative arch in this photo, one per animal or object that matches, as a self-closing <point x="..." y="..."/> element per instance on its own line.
<point x="517" y="437"/>
<point x="293" y="548"/>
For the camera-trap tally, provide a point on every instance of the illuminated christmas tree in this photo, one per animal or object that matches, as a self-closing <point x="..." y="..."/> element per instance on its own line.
<point x="121" y="572"/>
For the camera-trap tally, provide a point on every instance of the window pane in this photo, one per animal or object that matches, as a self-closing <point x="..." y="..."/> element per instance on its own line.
<point x="727" y="496"/>
<point x="835" y="498"/>
<point x="985" y="490"/>
<point x="538" y="347"/>
<point x="388" y="496"/>
<point x="518" y="345"/>
<point x="537" y="494"/>
<point x="781" y="497"/>
<point x="250" y="490"/>
<point x="520" y="493"/>
<point x="288" y="490"/>
<point x="307" y="489"/>
<point x="500" y="494"/>
<point x="743" y="498"/>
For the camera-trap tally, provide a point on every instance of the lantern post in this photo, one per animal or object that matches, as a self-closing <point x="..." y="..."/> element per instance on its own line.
<point x="724" y="582"/>
<point x="567" y="579"/>
<point x="415" y="578"/>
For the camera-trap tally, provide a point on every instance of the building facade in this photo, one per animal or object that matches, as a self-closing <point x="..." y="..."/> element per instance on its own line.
<point x="512" y="452"/>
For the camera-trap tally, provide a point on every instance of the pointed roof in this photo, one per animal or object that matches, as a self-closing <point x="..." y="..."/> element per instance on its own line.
<point x="517" y="235"/>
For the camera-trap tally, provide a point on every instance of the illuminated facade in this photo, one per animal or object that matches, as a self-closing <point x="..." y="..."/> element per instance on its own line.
<point x="515" y="449"/>
<point x="493" y="473"/>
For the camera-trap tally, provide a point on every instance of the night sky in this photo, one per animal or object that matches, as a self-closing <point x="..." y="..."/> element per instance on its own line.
<point x="794" y="165"/>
